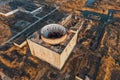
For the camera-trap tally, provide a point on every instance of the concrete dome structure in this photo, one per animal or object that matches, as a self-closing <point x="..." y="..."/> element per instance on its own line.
<point x="53" y="34"/>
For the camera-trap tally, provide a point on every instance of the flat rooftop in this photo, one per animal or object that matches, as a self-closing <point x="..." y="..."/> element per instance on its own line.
<point x="40" y="24"/>
<point x="36" y="36"/>
<point x="8" y="6"/>
<point x="15" y="24"/>
<point x="56" y="17"/>
<point x="57" y="48"/>
<point x="20" y="21"/>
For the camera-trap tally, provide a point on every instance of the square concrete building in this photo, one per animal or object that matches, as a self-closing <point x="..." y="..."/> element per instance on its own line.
<point x="53" y="43"/>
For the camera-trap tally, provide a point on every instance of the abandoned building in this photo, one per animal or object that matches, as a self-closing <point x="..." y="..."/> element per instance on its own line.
<point x="53" y="47"/>
<point x="54" y="43"/>
<point x="55" y="38"/>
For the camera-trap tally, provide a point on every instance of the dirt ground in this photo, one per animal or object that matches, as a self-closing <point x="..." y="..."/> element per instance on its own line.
<point x="19" y="64"/>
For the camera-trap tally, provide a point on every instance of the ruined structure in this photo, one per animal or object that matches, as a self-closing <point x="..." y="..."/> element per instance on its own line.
<point x="52" y="28"/>
<point x="53" y="44"/>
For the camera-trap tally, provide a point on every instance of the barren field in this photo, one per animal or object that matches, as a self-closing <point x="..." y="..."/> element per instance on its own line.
<point x="96" y="55"/>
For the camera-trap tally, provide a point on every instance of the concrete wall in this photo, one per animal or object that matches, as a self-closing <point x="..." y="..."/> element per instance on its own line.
<point x="66" y="19"/>
<point x="44" y="53"/>
<point x="67" y="51"/>
<point x="36" y="11"/>
<point x="55" y="59"/>
<point x="12" y="12"/>
<point x="20" y="45"/>
<point x="9" y="13"/>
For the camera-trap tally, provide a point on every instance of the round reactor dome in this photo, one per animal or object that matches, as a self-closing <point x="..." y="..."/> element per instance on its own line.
<point x="53" y="34"/>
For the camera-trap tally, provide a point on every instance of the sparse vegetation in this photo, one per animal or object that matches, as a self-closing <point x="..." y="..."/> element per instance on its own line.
<point x="102" y="64"/>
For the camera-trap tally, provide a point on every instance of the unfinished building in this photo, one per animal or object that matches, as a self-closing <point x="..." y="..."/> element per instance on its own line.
<point x="54" y="42"/>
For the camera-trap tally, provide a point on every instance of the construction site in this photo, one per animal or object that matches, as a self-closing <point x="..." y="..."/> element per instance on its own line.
<point x="59" y="40"/>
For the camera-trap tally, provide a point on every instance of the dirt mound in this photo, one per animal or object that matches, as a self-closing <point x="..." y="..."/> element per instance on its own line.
<point x="5" y="32"/>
